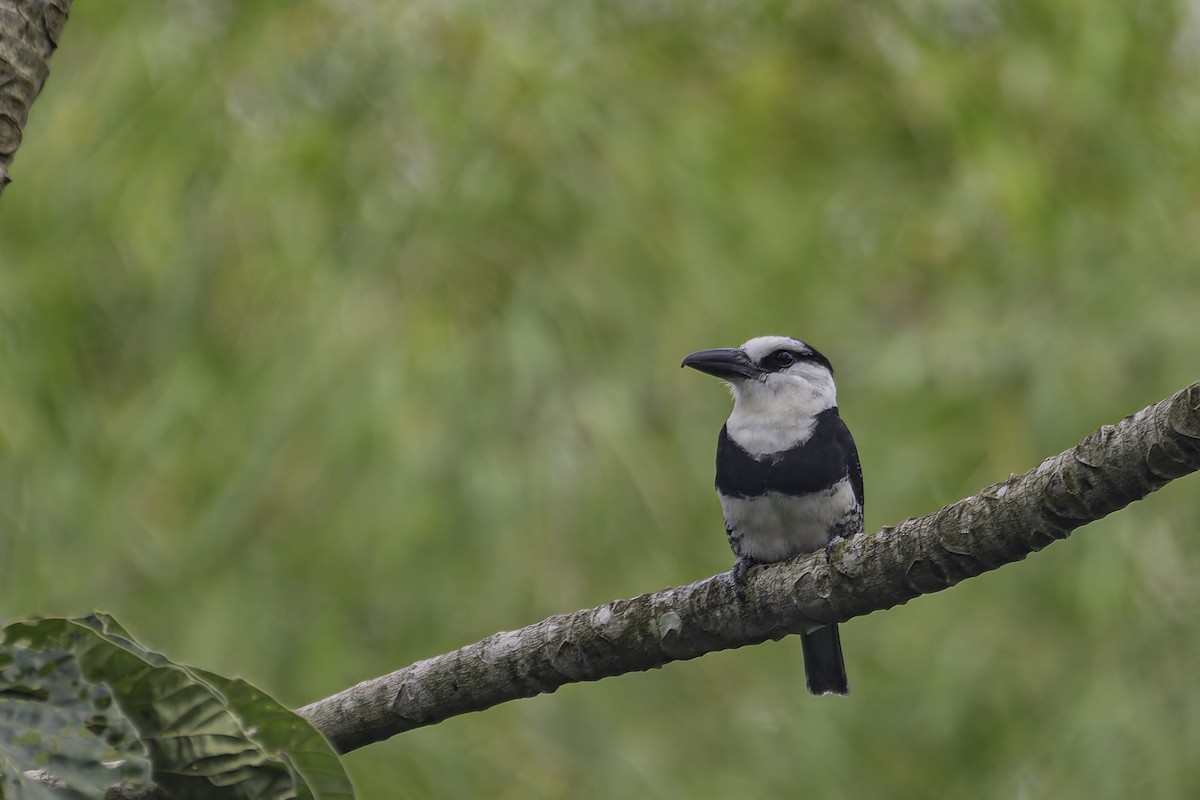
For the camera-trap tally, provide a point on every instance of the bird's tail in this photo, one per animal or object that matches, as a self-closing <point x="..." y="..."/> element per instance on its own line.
<point x="823" y="665"/>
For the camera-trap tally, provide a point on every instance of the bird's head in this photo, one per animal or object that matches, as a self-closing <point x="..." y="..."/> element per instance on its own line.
<point x="772" y="377"/>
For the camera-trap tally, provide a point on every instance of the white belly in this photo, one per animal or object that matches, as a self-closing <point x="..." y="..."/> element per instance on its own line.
<point x="775" y="526"/>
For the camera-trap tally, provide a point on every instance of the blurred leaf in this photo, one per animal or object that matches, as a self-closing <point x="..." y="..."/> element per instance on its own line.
<point x="207" y="736"/>
<point x="53" y="720"/>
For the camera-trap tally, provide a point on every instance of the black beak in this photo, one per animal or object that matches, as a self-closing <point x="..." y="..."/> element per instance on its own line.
<point x="726" y="363"/>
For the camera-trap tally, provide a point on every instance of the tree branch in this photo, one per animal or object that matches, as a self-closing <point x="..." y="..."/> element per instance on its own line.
<point x="1003" y="523"/>
<point x="29" y="31"/>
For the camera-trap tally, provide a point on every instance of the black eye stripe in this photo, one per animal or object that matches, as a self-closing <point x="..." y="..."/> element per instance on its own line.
<point x="782" y="359"/>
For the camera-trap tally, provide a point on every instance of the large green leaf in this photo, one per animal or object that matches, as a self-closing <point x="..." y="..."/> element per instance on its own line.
<point x="207" y="736"/>
<point x="55" y="722"/>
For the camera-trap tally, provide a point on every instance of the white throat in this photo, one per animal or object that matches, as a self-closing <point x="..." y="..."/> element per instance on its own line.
<point x="780" y="412"/>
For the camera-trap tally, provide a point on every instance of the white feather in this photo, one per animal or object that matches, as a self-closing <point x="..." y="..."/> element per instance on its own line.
<point x="775" y="526"/>
<point x="778" y="412"/>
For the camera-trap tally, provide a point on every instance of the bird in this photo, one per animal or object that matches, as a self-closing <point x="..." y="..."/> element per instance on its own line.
<point x="788" y="476"/>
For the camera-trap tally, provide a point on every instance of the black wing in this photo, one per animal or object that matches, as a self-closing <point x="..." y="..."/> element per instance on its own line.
<point x="854" y="466"/>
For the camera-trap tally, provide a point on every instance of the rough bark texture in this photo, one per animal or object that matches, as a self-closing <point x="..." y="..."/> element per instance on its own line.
<point x="1006" y="521"/>
<point x="29" y="31"/>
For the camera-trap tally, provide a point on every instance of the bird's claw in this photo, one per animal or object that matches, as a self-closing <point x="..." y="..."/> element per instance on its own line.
<point x="740" y="568"/>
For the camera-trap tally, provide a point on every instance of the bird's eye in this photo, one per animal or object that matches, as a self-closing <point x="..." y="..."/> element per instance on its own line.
<point x="784" y="359"/>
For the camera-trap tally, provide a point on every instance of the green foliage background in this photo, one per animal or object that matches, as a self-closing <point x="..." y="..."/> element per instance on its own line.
<point x="336" y="335"/>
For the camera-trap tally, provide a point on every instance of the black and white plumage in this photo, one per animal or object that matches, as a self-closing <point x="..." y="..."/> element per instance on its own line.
<point x="788" y="474"/>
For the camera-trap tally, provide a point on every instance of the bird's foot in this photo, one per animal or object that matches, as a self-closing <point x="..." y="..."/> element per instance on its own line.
<point x="740" y="567"/>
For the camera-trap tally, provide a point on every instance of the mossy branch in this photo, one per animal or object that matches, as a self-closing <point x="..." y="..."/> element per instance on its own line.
<point x="29" y="31"/>
<point x="1111" y="468"/>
